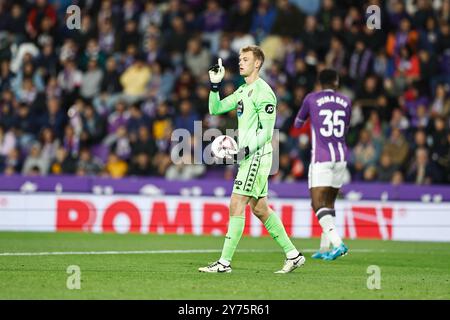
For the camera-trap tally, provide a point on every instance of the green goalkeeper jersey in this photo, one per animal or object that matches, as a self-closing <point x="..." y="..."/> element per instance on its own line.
<point x="256" y="112"/>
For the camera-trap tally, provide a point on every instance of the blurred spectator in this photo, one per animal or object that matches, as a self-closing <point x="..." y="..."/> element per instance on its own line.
<point x="118" y="118"/>
<point x="25" y="126"/>
<point x="86" y="33"/>
<point x="13" y="162"/>
<point x="115" y="166"/>
<point x="111" y="80"/>
<point x="92" y="52"/>
<point x="374" y="125"/>
<point x="360" y="61"/>
<point x="75" y="114"/>
<point x="35" y="160"/>
<point x="284" y="117"/>
<point x="420" y="140"/>
<point x="129" y="36"/>
<point x="289" y="19"/>
<point x="402" y="37"/>
<point x="407" y="66"/>
<point x="17" y="22"/>
<point x="161" y="162"/>
<point x="137" y="119"/>
<point x="230" y="58"/>
<point x="6" y="76"/>
<point x="92" y="80"/>
<point x="53" y="90"/>
<point x="445" y="161"/>
<point x="162" y="122"/>
<point x="397" y="178"/>
<point x="240" y="17"/>
<point x="106" y="37"/>
<point x="71" y="141"/>
<point x="365" y="153"/>
<point x="144" y="143"/>
<point x="27" y="92"/>
<point x="336" y="57"/>
<point x="28" y="73"/>
<point x="7" y="106"/>
<point x="7" y="141"/>
<point x="441" y="103"/>
<point x="440" y="144"/>
<point x="69" y="80"/>
<point x="40" y="11"/>
<point x="367" y="95"/>
<point x="176" y="38"/>
<point x="64" y="163"/>
<point x="107" y="12"/>
<point x="47" y="61"/>
<point x="49" y="144"/>
<point x="93" y="126"/>
<point x="186" y="117"/>
<point x="370" y="174"/>
<point x="88" y="165"/>
<point x="135" y="79"/>
<point x="396" y="147"/>
<point x="141" y="165"/>
<point x="399" y="120"/>
<point x="119" y="143"/>
<point x="212" y="21"/>
<point x="428" y="65"/>
<point x="150" y="16"/>
<point x="422" y="13"/>
<point x="313" y="38"/>
<point x="386" y="169"/>
<point x="421" y="170"/>
<point x="198" y="58"/>
<point x="309" y="7"/>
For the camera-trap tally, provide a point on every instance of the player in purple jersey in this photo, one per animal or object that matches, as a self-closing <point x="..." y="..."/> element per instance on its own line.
<point x="329" y="113"/>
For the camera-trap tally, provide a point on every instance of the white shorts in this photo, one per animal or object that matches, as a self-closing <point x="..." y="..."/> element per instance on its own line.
<point x="326" y="174"/>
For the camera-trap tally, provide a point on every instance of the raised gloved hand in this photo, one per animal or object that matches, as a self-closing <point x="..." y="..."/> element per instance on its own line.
<point x="216" y="74"/>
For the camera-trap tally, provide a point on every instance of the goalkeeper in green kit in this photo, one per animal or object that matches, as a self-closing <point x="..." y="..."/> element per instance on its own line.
<point x="255" y="103"/>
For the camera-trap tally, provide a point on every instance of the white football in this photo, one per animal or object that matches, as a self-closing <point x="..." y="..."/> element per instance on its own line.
<point x="221" y="144"/>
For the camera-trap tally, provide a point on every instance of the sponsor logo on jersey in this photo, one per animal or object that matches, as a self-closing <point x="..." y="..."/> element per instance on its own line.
<point x="270" y="108"/>
<point x="240" y="108"/>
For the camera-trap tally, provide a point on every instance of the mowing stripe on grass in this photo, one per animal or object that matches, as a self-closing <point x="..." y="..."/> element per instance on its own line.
<point x="5" y="254"/>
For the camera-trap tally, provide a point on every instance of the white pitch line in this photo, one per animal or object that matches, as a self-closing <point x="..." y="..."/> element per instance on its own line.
<point x="62" y="253"/>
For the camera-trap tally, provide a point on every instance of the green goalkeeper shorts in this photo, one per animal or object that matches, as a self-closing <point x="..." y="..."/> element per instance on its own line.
<point x="253" y="174"/>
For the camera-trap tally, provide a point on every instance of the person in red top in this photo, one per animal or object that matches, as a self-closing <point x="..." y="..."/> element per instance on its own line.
<point x="407" y="65"/>
<point x="41" y="10"/>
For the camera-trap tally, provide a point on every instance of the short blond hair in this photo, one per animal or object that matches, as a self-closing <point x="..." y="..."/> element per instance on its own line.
<point x="257" y="52"/>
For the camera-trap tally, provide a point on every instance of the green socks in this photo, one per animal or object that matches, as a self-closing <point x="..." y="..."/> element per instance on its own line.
<point x="276" y="229"/>
<point x="273" y="225"/>
<point x="234" y="234"/>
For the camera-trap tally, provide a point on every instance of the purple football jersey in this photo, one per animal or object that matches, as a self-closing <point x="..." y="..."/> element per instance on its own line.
<point x="330" y="114"/>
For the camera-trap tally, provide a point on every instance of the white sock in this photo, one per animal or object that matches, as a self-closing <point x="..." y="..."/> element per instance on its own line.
<point x="328" y="227"/>
<point x="292" y="254"/>
<point x="324" y="242"/>
<point x="224" y="262"/>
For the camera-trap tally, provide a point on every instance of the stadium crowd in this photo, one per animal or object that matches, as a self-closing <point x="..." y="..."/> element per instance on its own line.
<point x="104" y="99"/>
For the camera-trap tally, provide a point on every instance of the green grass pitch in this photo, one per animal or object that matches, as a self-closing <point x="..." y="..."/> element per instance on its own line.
<point x="409" y="270"/>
